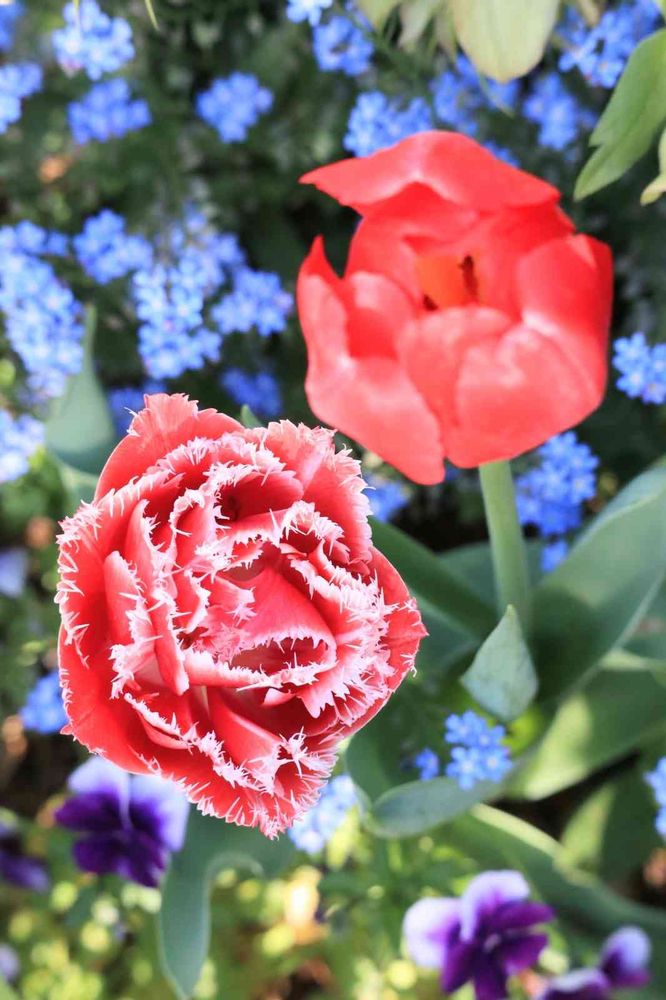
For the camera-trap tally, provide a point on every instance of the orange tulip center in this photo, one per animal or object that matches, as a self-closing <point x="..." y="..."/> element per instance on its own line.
<point x="448" y="280"/>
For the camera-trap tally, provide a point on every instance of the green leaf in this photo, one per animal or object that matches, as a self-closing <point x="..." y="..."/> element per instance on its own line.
<point x="502" y="678"/>
<point x="247" y="417"/>
<point x="657" y="187"/>
<point x="504" y="38"/>
<point x="431" y="583"/>
<point x="377" y="11"/>
<point x="417" y="806"/>
<point x="613" y="714"/>
<point x="584" y="905"/>
<point x="6" y="992"/>
<point x="415" y="16"/>
<point x="635" y="113"/>
<point x="80" y="431"/>
<point x="595" y="598"/>
<point x="184" y="920"/>
<point x="613" y="832"/>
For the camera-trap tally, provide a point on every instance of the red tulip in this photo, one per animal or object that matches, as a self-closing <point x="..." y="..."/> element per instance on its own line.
<point x="226" y="621"/>
<point x="471" y="322"/>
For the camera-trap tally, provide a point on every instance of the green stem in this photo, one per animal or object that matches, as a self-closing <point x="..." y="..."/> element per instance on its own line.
<point x="506" y="540"/>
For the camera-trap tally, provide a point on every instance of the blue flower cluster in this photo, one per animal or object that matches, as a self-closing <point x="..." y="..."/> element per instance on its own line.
<point x="17" y="81"/>
<point x="601" y="52"/>
<point x="377" y="121"/>
<point x="20" y="437"/>
<point x="233" y="104"/>
<point x="312" y="832"/>
<point x="106" y="251"/>
<point x="458" y="97"/>
<point x="657" y="780"/>
<point x="258" y="390"/>
<point x="560" y="117"/>
<point x="107" y="111"/>
<point x="642" y="368"/>
<point x="43" y="711"/>
<point x="478" y="753"/>
<point x="551" y="496"/>
<point x="9" y="15"/>
<point x="387" y="496"/>
<point x="341" y="45"/>
<point x="13" y="570"/>
<point x="126" y="400"/>
<point x="307" y="10"/>
<point x="257" y="300"/>
<point x="92" y="41"/>
<point x="26" y="237"/>
<point x="43" y="321"/>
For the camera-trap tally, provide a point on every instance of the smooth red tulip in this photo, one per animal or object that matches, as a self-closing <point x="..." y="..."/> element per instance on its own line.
<point x="471" y="322"/>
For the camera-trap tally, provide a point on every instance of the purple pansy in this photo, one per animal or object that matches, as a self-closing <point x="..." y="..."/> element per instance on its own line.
<point x="484" y="937"/>
<point x="622" y="965"/>
<point x="132" y="822"/>
<point x="17" y="867"/>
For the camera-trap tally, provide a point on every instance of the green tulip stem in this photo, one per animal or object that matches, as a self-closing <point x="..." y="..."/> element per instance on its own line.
<point x="512" y="583"/>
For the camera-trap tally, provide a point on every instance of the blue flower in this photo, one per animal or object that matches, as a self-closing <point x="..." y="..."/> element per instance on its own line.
<point x="17" y="81"/>
<point x="257" y="300"/>
<point x="10" y="965"/>
<point x="9" y="15"/>
<point x="92" y="41"/>
<point x="340" y="45"/>
<point x="108" y="111"/>
<point x="13" y="571"/>
<point x="26" y="237"/>
<point x="561" y="119"/>
<point x="427" y="764"/>
<point x="43" y="710"/>
<point x="622" y="965"/>
<point x="483" y="938"/>
<point x="642" y="368"/>
<point x="480" y="755"/>
<point x="233" y="105"/>
<point x="20" y="437"/>
<point x="387" y="497"/>
<point x="258" y="390"/>
<point x="106" y="251"/>
<point x="657" y="780"/>
<point x="126" y="400"/>
<point x="131" y="823"/>
<point x="376" y="122"/>
<point x="601" y="52"/>
<point x="43" y="322"/>
<point x="19" y="868"/>
<point x="307" y="10"/>
<point x="553" y="554"/>
<point x="312" y="831"/>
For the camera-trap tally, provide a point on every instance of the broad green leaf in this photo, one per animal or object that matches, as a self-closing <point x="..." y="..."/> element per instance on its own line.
<point x="502" y="677"/>
<point x="657" y="187"/>
<point x="613" y="832"/>
<point x="431" y="583"/>
<point x="377" y="11"/>
<point x="504" y="38"/>
<point x="586" y="909"/>
<point x="247" y="417"/>
<point x="415" y="16"/>
<point x="184" y="920"/>
<point x="613" y="714"/>
<point x="634" y="115"/>
<point x="6" y="992"/>
<point x="80" y="431"/>
<point x="418" y="806"/>
<point x="596" y="597"/>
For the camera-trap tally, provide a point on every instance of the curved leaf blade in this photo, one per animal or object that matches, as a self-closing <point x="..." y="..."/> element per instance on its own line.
<point x="502" y="678"/>
<point x="417" y="806"/>
<point x="504" y="38"/>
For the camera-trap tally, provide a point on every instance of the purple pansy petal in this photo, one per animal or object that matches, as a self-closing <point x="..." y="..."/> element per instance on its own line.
<point x="580" y="984"/>
<point x="520" y="952"/>
<point x="99" y="775"/>
<point x="147" y="862"/>
<point x="459" y="965"/>
<point x="169" y="807"/>
<point x="485" y="894"/>
<point x="427" y="926"/>
<point x="625" y="957"/>
<point x="93" y="813"/>
<point x="101" y="855"/>
<point x="489" y="980"/>
<point x="516" y="915"/>
<point x="29" y="873"/>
